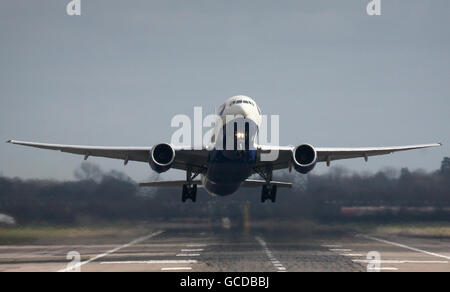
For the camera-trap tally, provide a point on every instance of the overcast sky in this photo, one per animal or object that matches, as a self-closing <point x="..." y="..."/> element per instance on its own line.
<point x="117" y="75"/>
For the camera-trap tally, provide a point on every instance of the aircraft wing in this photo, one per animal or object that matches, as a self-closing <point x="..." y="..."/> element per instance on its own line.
<point x="327" y="154"/>
<point x="184" y="157"/>
<point x="197" y="159"/>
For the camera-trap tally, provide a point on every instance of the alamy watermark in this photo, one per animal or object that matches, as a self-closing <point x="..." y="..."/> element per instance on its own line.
<point x="229" y="132"/>
<point x="373" y="261"/>
<point x="73" y="8"/>
<point x="374" y="8"/>
<point x="75" y="262"/>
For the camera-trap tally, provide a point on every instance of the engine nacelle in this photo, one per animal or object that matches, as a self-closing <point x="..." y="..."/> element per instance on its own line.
<point x="304" y="158"/>
<point x="161" y="157"/>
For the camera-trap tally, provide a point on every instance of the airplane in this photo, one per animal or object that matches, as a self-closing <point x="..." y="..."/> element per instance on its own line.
<point x="232" y="157"/>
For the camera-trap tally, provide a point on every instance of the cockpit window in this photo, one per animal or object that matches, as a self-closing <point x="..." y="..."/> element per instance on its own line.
<point x="239" y="101"/>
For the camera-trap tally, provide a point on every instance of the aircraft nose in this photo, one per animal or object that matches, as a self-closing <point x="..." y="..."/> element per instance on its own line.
<point x="243" y="110"/>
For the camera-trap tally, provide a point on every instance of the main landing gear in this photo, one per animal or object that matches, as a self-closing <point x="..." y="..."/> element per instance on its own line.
<point x="189" y="192"/>
<point x="190" y="189"/>
<point x="269" y="191"/>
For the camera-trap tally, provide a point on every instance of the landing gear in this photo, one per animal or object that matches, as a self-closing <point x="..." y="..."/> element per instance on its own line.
<point x="189" y="192"/>
<point x="269" y="192"/>
<point x="190" y="189"/>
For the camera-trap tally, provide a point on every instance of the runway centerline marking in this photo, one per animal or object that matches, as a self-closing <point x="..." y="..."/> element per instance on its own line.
<point x="404" y="246"/>
<point x="136" y="241"/>
<point x="270" y="256"/>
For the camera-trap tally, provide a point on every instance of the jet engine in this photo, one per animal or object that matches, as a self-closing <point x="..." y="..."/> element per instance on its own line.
<point x="304" y="158"/>
<point x="162" y="157"/>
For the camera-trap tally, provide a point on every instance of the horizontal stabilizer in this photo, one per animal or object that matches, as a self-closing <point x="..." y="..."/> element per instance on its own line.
<point x="173" y="183"/>
<point x="253" y="183"/>
<point x="249" y="183"/>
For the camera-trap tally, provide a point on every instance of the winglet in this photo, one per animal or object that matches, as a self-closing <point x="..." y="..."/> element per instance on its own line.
<point x="440" y="144"/>
<point x="9" y="141"/>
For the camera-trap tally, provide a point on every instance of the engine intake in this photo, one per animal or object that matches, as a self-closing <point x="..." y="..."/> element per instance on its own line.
<point x="162" y="157"/>
<point x="304" y="158"/>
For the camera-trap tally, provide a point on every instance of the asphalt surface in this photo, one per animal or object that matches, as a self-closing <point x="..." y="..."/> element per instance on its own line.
<point x="219" y="249"/>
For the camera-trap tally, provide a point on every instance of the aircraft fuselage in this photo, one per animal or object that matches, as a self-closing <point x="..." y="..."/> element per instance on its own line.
<point x="234" y="154"/>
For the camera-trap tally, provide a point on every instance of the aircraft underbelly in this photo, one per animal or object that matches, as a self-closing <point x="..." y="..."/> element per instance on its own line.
<point x="227" y="170"/>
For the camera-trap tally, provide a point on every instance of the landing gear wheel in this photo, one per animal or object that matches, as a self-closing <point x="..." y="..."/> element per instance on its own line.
<point x="184" y="194"/>
<point x="194" y="193"/>
<point x="269" y="192"/>
<point x="273" y="196"/>
<point x="189" y="192"/>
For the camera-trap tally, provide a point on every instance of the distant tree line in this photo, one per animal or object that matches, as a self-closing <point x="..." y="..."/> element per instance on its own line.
<point x="96" y="196"/>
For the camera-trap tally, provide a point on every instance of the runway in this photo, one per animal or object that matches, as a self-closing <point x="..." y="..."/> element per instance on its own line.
<point x="206" y="248"/>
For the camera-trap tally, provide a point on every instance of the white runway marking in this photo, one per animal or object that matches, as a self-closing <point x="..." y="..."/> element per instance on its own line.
<point x="405" y="246"/>
<point x="177" y="269"/>
<point x="192" y="250"/>
<point x="352" y="255"/>
<point x="269" y="254"/>
<point x="196" y="245"/>
<point x="136" y="241"/>
<point x="188" y="255"/>
<point x="151" y="262"/>
<point x="399" y="262"/>
<point x="340" y="250"/>
<point x="383" y="269"/>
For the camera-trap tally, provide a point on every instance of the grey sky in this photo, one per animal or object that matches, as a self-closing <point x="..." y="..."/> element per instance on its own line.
<point x="117" y="75"/>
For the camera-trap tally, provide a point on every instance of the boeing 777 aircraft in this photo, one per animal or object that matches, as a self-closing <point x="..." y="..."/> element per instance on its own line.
<point x="232" y="157"/>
